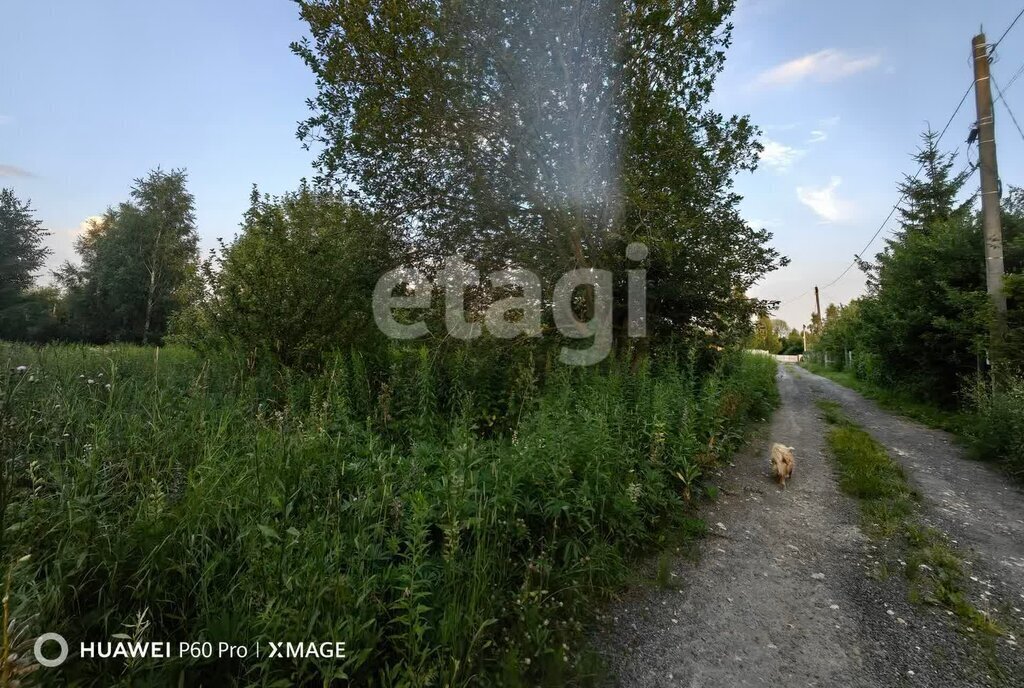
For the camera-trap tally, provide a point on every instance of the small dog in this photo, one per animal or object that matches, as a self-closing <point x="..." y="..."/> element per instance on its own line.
<point x="782" y="463"/>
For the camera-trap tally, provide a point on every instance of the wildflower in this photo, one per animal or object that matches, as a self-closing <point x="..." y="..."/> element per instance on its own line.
<point x="107" y="385"/>
<point x="21" y="369"/>
<point x="90" y="381"/>
<point x="633" y="491"/>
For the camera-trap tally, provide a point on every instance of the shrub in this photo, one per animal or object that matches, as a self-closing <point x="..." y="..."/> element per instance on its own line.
<point x="168" y="497"/>
<point x="997" y="432"/>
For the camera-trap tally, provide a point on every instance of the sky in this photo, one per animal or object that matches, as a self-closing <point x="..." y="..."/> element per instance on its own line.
<point x="93" y="95"/>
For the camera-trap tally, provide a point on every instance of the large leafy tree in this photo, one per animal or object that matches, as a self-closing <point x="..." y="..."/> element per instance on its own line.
<point x="294" y="282"/>
<point x="22" y="254"/>
<point x="137" y="262"/>
<point x="547" y="135"/>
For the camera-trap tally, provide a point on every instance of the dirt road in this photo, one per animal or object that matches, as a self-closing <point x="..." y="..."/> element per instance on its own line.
<point x="786" y="591"/>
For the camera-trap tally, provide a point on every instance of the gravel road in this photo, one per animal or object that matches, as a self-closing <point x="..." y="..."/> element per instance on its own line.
<point x="786" y="591"/>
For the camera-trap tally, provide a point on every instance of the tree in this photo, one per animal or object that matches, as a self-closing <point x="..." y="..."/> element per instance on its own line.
<point x="924" y="321"/>
<point x="22" y="254"/>
<point x="547" y="136"/>
<point x="925" y="317"/>
<point x="767" y="335"/>
<point x="839" y="335"/>
<point x="793" y="344"/>
<point x="136" y="263"/>
<point x="296" y="281"/>
<point x="166" y="226"/>
<point x="932" y="198"/>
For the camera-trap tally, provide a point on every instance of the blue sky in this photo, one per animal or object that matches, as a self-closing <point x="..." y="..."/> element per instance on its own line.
<point x="95" y="94"/>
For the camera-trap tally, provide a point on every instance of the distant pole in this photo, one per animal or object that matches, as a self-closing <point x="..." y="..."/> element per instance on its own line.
<point x="817" y="307"/>
<point x="989" y="192"/>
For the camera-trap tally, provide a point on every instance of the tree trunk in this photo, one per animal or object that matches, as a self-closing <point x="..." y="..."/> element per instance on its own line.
<point x="151" y="295"/>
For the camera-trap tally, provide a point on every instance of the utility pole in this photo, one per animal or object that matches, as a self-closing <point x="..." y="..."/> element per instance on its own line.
<point x="817" y="307"/>
<point x="989" y="192"/>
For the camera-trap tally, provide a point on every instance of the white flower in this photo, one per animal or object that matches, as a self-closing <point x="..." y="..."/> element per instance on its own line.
<point x="90" y="381"/>
<point x="107" y="385"/>
<point x="21" y="368"/>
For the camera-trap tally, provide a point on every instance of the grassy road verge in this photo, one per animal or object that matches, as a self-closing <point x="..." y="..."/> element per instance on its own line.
<point x="891" y="516"/>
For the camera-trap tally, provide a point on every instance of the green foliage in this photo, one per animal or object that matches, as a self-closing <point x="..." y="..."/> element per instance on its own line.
<point x="997" y="428"/>
<point x="890" y="511"/>
<point x="297" y="282"/>
<point x="547" y="136"/>
<point x="775" y="336"/>
<point x="839" y="333"/>
<point x="21" y="254"/>
<point x="375" y="503"/>
<point x="925" y="317"/>
<point x="922" y="332"/>
<point x="896" y="400"/>
<point x="138" y="264"/>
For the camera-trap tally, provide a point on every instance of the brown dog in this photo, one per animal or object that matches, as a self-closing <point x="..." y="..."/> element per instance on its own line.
<point x="782" y="463"/>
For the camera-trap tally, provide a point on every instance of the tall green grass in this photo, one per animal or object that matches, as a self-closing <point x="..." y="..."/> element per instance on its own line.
<point x="890" y="511"/>
<point x="990" y="421"/>
<point x="998" y="431"/>
<point x="452" y="521"/>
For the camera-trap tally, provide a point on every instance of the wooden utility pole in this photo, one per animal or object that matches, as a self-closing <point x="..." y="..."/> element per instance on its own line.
<point x="989" y="191"/>
<point x="817" y="308"/>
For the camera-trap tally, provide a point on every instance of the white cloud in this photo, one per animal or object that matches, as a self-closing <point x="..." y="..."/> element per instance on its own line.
<point x="85" y="225"/>
<point x="14" y="171"/>
<point x="61" y="243"/>
<point x="758" y="223"/>
<point x="824" y="201"/>
<point x="825" y="125"/>
<point x="823" y="66"/>
<point x="778" y="155"/>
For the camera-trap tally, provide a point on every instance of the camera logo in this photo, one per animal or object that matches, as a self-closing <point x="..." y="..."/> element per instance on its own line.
<point x="38" y="650"/>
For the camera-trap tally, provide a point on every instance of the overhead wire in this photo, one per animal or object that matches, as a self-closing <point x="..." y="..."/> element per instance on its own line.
<point x="992" y="49"/>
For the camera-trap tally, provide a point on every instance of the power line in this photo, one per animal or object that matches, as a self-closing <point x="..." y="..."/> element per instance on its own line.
<point x="1007" y="106"/>
<point x="1008" y="29"/>
<point x="1012" y="81"/>
<point x="903" y="196"/>
<point x="895" y="207"/>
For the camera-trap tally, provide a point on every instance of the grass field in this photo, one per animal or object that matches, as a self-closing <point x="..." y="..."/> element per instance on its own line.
<point x="453" y="524"/>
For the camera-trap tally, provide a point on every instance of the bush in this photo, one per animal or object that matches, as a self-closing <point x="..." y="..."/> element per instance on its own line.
<point x="448" y="537"/>
<point x="297" y="282"/>
<point x="997" y="433"/>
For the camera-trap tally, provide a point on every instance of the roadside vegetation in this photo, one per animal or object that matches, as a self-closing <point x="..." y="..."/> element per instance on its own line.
<point x="449" y="533"/>
<point x="919" y="341"/>
<point x="227" y="446"/>
<point x="890" y="513"/>
<point x="903" y="403"/>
